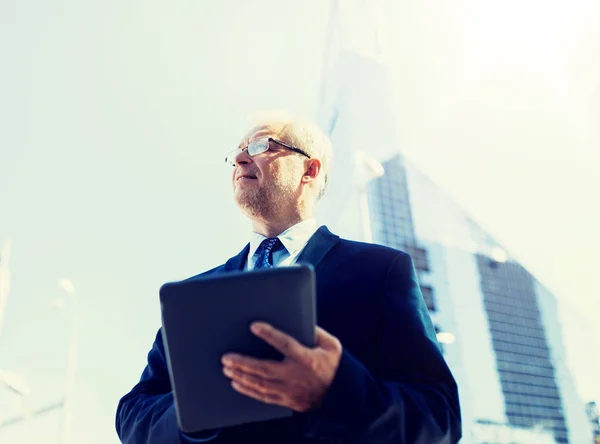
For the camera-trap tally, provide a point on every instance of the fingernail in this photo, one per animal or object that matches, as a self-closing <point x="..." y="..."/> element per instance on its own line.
<point x="258" y="327"/>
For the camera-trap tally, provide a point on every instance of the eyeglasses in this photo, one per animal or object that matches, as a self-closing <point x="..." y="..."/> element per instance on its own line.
<point x="260" y="146"/>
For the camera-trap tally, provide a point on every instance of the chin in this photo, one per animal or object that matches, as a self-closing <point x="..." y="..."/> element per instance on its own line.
<point x="245" y="200"/>
<point x="253" y="205"/>
<point x="249" y="211"/>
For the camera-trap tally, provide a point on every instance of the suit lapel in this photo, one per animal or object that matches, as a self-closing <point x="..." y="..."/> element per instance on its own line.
<point x="236" y="263"/>
<point x="318" y="246"/>
<point x="315" y="250"/>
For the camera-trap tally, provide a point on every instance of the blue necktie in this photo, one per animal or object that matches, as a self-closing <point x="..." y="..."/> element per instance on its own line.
<point x="264" y="252"/>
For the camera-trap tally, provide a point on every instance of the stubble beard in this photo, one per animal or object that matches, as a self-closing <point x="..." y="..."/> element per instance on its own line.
<point x="266" y="202"/>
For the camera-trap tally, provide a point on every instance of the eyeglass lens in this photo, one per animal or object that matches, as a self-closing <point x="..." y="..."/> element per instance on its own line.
<point x="258" y="146"/>
<point x="255" y="147"/>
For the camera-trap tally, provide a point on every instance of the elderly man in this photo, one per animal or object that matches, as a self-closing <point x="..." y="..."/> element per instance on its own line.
<point x="376" y="374"/>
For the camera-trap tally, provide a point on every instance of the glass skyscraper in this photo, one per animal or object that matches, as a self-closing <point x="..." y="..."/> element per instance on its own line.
<point x="499" y="327"/>
<point x="502" y="324"/>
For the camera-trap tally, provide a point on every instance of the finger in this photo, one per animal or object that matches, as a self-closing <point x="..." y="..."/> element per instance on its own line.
<point x="326" y="340"/>
<point x="266" y="398"/>
<point x="260" y="367"/>
<point x="280" y="341"/>
<point x="256" y="383"/>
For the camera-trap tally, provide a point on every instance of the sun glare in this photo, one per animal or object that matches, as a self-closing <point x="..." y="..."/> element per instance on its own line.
<point x="528" y="27"/>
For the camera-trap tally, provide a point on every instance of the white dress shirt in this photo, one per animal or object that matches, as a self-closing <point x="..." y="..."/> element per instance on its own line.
<point x="294" y="239"/>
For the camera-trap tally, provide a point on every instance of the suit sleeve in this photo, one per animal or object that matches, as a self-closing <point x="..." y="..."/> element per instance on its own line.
<point x="146" y="415"/>
<point x="412" y="398"/>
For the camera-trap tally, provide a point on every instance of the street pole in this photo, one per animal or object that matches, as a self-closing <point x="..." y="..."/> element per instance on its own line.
<point x="67" y="407"/>
<point x="4" y="280"/>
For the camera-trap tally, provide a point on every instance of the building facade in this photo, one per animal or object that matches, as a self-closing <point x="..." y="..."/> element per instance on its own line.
<point x="499" y="324"/>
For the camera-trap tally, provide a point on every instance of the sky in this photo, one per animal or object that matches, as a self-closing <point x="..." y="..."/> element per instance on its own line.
<point x="116" y="116"/>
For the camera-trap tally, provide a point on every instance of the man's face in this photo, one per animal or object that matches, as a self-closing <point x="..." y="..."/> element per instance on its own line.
<point x="268" y="183"/>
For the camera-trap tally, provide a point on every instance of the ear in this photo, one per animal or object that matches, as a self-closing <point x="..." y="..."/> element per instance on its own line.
<point x="313" y="169"/>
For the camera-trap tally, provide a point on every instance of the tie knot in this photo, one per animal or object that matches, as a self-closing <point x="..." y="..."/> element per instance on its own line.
<point x="264" y="252"/>
<point x="269" y="243"/>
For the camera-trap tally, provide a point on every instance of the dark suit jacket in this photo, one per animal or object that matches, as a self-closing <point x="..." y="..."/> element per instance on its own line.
<point x="392" y="385"/>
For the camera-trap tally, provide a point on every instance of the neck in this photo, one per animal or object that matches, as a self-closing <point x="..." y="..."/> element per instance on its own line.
<point x="275" y="226"/>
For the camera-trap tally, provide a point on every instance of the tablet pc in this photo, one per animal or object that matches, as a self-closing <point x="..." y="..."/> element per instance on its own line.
<point x="205" y="317"/>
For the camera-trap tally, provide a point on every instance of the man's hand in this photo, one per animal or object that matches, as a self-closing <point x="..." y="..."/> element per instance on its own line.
<point x="299" y="382"/>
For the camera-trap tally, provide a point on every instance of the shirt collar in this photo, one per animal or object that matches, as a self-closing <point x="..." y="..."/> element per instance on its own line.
<point x="293" y="239"/>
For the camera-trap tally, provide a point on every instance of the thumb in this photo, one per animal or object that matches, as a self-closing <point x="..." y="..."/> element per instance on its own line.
<point x="327" y="340"/>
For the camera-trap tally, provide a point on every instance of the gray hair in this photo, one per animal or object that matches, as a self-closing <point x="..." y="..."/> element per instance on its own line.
<point x="302" y="133"/>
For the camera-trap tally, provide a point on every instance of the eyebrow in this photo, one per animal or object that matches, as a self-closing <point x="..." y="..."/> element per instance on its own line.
<point x="246" y="142"/>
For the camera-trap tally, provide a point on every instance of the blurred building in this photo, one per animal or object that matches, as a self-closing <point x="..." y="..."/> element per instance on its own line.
<point x="594" y="418"/>
<point x="499" y="326"/>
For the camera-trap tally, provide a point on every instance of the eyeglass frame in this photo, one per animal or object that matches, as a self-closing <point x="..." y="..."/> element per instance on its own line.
<point x="269" y="140"/>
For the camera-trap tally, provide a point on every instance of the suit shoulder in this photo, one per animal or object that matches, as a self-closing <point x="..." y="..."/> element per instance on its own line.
<point x="377" y="249"/>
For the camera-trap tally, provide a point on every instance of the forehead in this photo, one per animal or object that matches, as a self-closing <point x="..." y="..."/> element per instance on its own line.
<point x="260" y="131"/>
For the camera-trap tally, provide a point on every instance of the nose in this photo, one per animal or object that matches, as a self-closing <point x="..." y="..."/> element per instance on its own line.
<point x="242" y="158"/>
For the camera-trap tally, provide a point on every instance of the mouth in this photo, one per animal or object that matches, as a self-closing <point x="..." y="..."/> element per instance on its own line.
<point x="245" y="177"/>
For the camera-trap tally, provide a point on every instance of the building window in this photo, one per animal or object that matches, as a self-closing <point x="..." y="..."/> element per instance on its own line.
<point x="418" y="255"/>
<point x="427" y="293"/>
